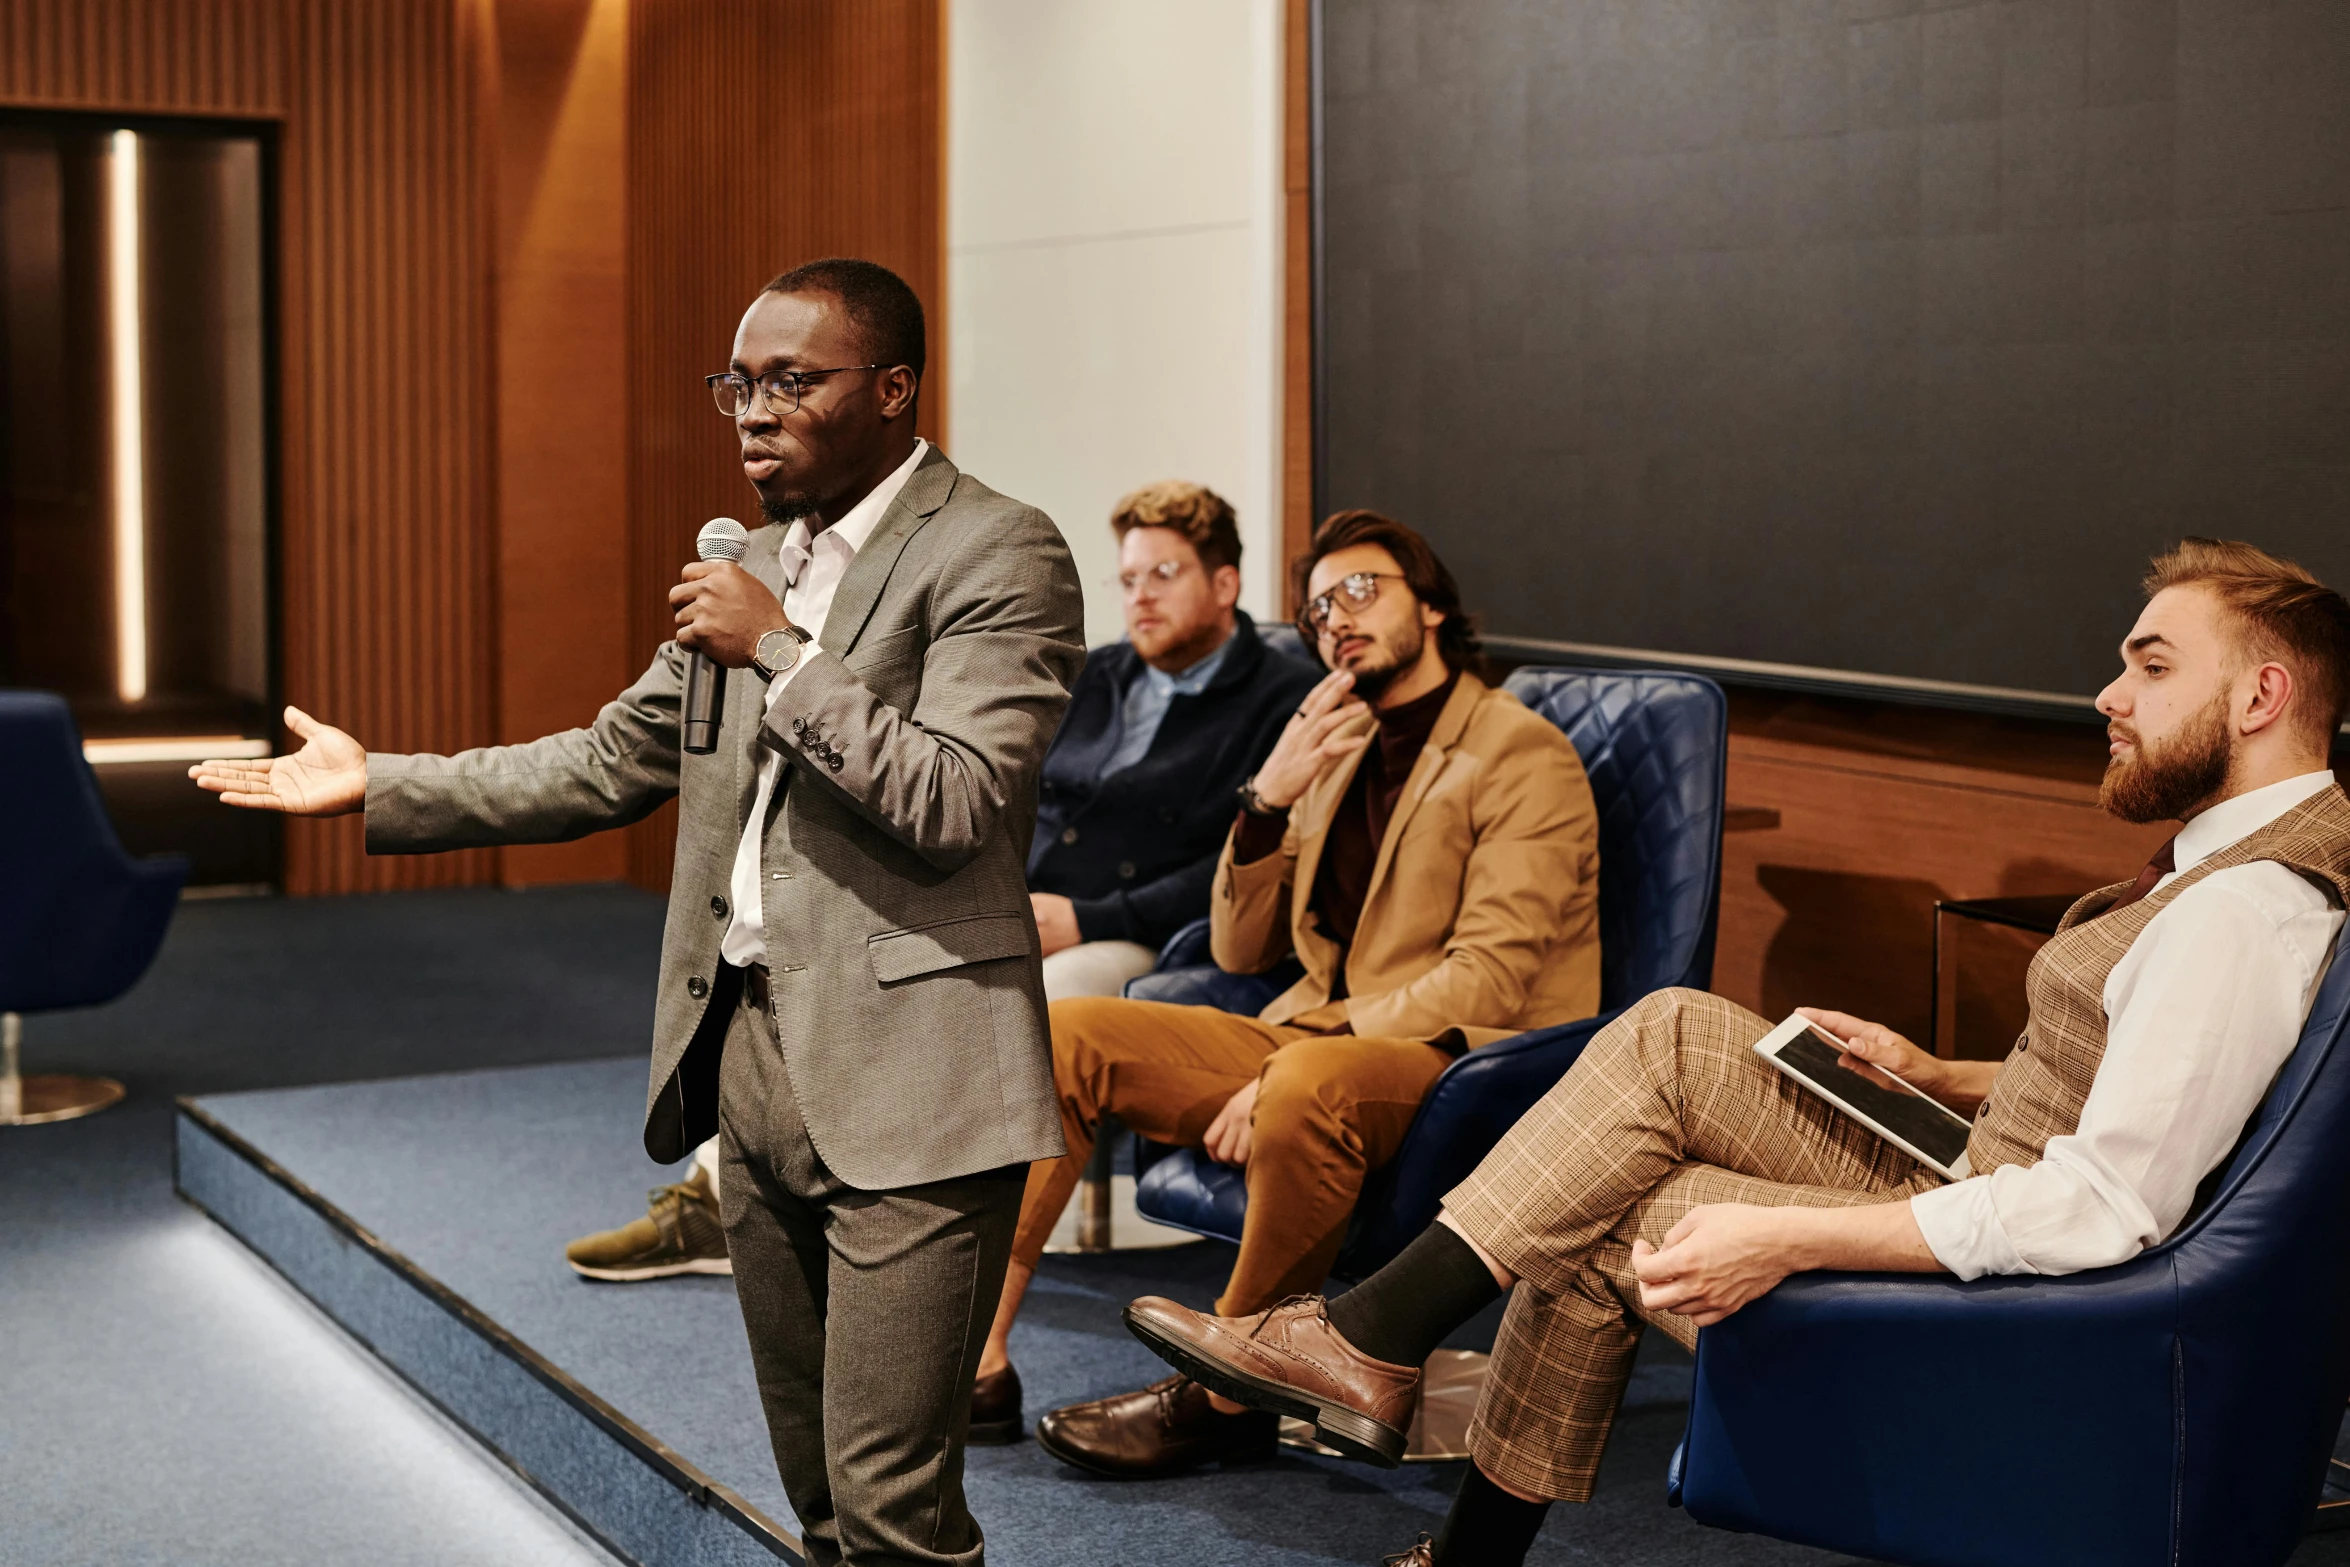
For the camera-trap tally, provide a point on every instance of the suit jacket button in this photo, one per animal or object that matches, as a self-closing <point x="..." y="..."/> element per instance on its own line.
<point x="1126" y="869"/>
<point x="697" y="987"/>
<point x="833" y="761"/>
<point x="1068" y="835"/>
<point x="718" y="907"/>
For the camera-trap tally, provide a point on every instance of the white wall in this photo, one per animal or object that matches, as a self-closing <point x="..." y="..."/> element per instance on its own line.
<point x="1113" y="262"/>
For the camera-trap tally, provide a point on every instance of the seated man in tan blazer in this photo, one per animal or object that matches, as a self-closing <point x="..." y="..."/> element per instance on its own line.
<point x="1428" y="849"/>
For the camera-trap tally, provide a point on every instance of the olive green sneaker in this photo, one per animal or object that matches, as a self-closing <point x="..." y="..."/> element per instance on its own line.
<point x="679" y="1233"/>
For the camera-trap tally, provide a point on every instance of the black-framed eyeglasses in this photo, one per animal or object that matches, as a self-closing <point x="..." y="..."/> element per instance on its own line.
<point x="780" y="389"/>
<point x="1356" y="590"/>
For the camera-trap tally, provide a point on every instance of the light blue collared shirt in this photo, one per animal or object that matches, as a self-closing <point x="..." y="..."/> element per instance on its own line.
<point x="1145" y="705"/>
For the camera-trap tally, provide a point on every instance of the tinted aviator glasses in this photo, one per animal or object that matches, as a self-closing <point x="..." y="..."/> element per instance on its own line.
<point x="780" y="389"/>
<point x="1355" y="591"/>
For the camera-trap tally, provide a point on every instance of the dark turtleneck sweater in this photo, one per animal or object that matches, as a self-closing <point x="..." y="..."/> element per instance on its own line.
<point x="1343" y="880"/>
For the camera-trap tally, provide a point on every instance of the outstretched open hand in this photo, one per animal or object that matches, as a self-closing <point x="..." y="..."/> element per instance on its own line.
<point x="327" y="777"/>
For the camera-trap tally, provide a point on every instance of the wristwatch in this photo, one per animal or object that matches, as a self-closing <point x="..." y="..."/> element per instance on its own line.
<point x="778" y="652"/>
<point x="1253" y="802"/>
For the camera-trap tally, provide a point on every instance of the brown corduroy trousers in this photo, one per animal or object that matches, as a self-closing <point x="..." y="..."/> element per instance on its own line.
<point x="1330" y="1109"/>
<point x="1669" y="1109"/>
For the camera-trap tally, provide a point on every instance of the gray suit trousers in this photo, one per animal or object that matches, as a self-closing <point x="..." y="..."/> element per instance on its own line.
<point x="866" y="1312"/>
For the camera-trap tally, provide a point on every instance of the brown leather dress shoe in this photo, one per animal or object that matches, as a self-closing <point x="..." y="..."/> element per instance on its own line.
<point x="1422" y="1554"/>
<point x="995" y="1409"/>
<point x="1169" y="1428"/>
<point x="1289" y="1361"/>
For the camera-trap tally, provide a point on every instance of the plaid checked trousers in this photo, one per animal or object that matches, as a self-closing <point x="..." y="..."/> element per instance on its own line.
<point x="1669" y="1109"/>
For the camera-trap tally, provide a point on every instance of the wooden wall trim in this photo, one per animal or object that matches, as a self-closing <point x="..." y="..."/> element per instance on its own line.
<point x="1297" y="288"/>
<point x="1881" y="814"/>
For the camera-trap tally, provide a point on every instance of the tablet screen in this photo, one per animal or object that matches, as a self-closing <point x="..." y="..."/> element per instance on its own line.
<point x="1918" y="1121"/>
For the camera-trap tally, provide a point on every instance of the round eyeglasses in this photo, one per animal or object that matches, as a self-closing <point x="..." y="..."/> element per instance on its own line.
<point x="780" y="390"/>
<point x="1356" y="590"/>
<point x="1151" y="581"/>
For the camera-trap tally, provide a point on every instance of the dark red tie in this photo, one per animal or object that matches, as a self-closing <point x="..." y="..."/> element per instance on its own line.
<point x="2163" y="863"/>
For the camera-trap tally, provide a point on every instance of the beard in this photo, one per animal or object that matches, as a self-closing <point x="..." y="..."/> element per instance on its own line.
<point x="2166" y="782"/>
<point x="1388" y="661"/>
<point x="786" y="509"/>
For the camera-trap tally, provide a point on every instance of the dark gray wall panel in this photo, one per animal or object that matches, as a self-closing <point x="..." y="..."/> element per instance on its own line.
<point x="1870" y="335"/>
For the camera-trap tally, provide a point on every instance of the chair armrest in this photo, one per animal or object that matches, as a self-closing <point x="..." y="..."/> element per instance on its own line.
<point x="1188" y="1190"/>
<point x="1994" y="1410"/>
<point x="1210" y="986"/>
<point x="1476" y="1100"/>
<point x="1187" y="948"/>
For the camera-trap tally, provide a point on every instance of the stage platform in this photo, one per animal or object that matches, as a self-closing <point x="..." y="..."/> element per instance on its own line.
<point x="427" y="1216"/>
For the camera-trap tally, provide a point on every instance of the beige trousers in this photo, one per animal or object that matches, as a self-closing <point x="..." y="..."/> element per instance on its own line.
<point x="1669" y="1109"/>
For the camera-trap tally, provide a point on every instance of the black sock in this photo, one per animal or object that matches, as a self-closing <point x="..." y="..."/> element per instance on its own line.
<point x="1487" y="1526"/>
<point x="1402" y="1312"/>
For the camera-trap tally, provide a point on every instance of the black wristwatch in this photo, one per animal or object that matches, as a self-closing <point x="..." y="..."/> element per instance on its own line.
<point x="778" y="652"/>
<point x="1253" y="802"/>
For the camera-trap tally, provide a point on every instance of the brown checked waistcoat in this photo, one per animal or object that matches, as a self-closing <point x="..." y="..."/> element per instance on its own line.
<point x="2039" y="1092"/>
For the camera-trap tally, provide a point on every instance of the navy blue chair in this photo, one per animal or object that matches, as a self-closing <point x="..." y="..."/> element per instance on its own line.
<point x="79" y="919"/>
<point x="2178" y="1409"/>
<point x="1654" y="746"/>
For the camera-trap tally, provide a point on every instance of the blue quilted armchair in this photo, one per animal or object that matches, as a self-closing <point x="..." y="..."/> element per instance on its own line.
<point x="1653" y="744"/>
<point x="79" y="919"/>
<point x="2178" y="1409"/>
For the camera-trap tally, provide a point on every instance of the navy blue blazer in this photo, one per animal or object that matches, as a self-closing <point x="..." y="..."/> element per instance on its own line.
<point x="1136" y="851"/>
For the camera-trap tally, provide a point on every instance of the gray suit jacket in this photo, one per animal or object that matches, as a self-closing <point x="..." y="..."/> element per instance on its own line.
<point x="899" y="939"/>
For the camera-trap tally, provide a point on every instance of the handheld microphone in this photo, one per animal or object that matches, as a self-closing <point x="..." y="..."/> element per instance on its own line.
<point x="721" y="538"/>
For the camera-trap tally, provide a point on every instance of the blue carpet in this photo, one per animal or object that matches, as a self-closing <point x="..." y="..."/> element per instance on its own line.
<point x="166" y="1400"/>
<point x="479" y="1177"/>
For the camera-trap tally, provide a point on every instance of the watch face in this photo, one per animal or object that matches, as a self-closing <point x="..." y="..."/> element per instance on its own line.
<point x="777" y="651"/>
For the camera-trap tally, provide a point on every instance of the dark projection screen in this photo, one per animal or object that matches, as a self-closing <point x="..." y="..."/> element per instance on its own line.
<point x="1863" y="335"/>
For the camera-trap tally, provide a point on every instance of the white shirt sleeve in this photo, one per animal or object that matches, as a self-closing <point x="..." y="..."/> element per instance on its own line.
<point x="2201" y="1013"/>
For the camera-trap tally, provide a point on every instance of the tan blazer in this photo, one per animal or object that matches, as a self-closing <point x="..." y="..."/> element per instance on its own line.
<point x="1483" y="911"/>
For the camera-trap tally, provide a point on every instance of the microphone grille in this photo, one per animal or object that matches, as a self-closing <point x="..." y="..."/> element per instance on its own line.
<point x="722" y="538"/>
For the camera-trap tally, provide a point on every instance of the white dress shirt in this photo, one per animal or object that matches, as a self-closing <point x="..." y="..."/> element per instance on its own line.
<point x="812" y="569"/>
<point x="2201" y="1013"/>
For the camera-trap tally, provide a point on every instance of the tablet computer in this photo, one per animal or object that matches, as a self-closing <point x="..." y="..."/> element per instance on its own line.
<point x="1926" y="1130"/>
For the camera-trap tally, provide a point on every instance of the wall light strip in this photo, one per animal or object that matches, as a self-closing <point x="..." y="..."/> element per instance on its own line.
<point x="130" y="444"/>
<point x="174" y="748"/>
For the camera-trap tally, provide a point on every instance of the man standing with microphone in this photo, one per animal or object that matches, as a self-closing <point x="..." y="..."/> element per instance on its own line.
<point x="849" y="992"/>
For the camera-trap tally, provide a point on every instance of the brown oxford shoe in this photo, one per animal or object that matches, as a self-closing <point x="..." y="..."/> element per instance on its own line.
<point x="1289" y="1361"/>
<point x="1422" y="1554"/>
<point x="995" y="1409"/>
<point x="1169" y="1428"/>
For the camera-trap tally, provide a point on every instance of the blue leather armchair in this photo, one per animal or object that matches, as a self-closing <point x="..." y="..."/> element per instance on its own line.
<point x="79" y="919"/>
<point x="1654" y="747"/>
<point x="2177" y="1409"/>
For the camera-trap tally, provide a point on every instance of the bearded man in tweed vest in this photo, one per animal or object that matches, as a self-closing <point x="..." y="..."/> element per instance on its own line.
<point x="1672" y="1176"/>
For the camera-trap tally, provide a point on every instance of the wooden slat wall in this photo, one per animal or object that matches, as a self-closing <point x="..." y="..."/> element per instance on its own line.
<point x="760" y="133"/>
<point x="763" y="133"/>
<point x="564" y="643"/>
<point x="384" y="359"/>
